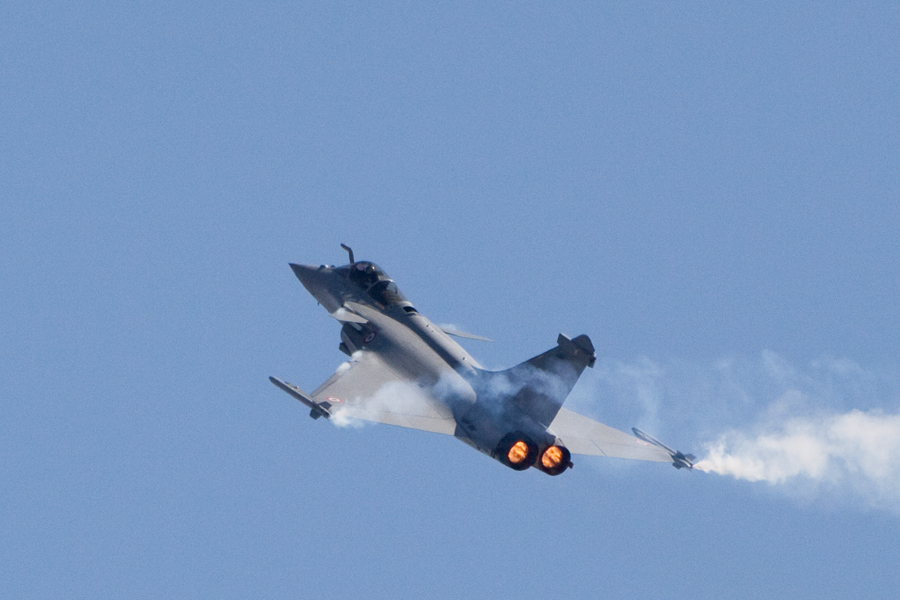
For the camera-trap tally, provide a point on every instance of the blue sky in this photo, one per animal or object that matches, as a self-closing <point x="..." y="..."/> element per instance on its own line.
<point x="707" y="190"/>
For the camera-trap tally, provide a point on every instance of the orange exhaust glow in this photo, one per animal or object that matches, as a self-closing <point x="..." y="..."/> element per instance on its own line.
<point x="518" y="452"/>
<point x="552" y="457"/>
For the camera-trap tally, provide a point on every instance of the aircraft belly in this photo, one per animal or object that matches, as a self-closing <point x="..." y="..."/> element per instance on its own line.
<point x="409" y="356"/>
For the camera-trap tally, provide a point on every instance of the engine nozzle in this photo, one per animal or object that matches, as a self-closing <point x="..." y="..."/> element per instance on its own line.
<point x="554" y="460"/>
<point x="517" y="451"/>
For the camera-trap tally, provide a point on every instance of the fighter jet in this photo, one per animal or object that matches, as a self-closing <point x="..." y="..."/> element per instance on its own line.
<point x="405" y="370"/>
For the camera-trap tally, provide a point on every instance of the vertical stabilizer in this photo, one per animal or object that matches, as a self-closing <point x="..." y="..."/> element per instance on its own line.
<point x="538" y="387"/>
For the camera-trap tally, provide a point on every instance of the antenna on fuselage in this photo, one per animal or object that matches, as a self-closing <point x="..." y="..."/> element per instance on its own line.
<point x="349" y="251"/>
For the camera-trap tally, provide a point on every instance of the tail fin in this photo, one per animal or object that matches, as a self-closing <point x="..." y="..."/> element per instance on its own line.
<point x="539" y="386"/>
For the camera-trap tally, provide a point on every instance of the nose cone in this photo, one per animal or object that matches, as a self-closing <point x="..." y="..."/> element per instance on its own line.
<point x="323" y="283"/>
<point x="301" y="270"/>
<point x="308" y="276"/>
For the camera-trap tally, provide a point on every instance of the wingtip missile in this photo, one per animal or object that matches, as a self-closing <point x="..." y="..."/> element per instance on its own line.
<point x="679" y="459"/>
<point x="315" y="410"/>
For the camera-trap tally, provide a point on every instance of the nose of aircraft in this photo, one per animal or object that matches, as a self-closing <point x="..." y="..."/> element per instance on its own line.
<point x="308" y="276"/>
<point x="325" y="284"/>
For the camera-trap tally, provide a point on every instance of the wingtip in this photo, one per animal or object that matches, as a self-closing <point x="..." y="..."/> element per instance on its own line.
<point x="679" y="459"/>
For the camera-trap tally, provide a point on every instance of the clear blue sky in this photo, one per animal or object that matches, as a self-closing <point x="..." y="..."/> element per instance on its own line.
<point x="709" y="190"/>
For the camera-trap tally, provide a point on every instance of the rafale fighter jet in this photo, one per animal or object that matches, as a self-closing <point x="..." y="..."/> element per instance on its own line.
<point x="405" y="370"/>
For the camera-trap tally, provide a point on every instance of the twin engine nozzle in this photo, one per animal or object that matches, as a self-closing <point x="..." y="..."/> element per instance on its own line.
<point x="517" y="451"/>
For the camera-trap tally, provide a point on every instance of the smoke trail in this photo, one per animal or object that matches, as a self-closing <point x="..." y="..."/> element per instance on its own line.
<point x="857" y="452"/>
<point x="828" y="429"/>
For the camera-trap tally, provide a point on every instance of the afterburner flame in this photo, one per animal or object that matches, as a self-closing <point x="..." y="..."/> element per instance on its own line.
<point x="518" y="452"/>
<point x="552" y="457"/>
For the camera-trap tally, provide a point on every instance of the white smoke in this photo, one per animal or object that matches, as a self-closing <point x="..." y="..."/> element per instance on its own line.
<point x="829" y="430"/>
<point x="856" y="452"/>
<point x="395" y="397"/>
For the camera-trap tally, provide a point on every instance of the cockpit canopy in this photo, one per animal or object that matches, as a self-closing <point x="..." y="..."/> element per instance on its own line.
<point x="366" y="274"/>
<point x="376" y="282"/>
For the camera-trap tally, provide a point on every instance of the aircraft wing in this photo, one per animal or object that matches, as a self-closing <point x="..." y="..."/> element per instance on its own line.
<point x="586" y="436"/>
<point x="366" y="388"/>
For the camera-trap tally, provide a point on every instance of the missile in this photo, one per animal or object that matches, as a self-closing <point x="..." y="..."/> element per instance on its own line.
<point x="679" y="460"/>
<point x="316" y="410"/>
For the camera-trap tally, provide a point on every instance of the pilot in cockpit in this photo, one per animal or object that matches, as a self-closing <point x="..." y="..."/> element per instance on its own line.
<point x="365" y="274"/>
